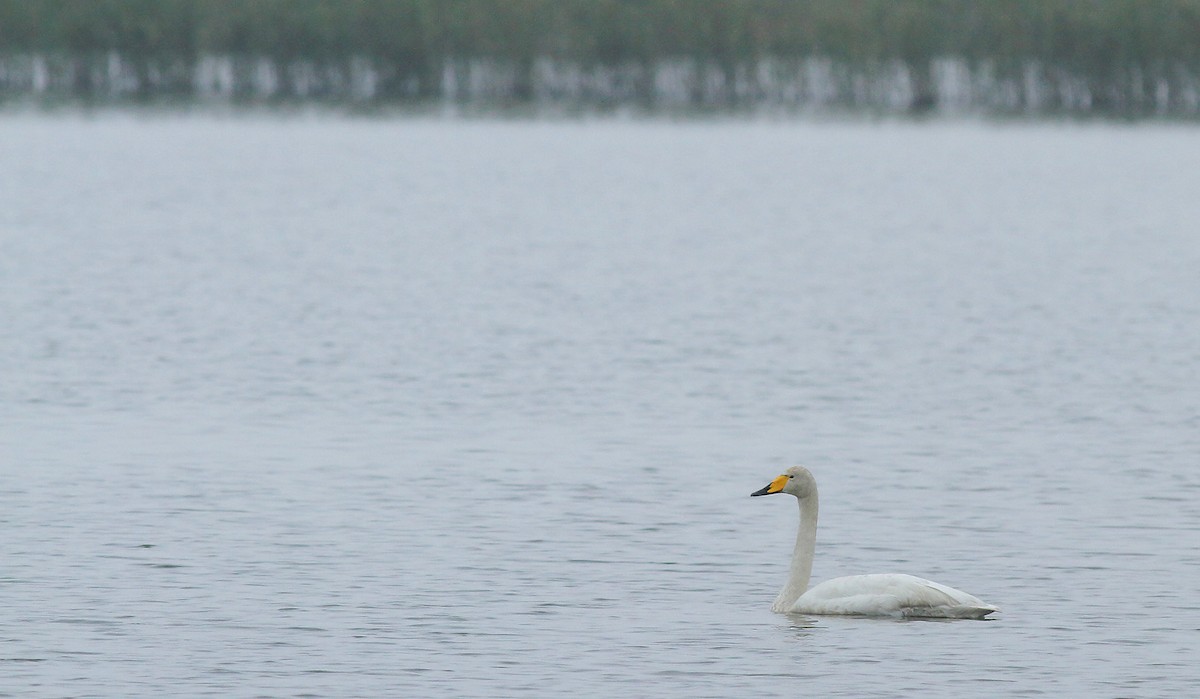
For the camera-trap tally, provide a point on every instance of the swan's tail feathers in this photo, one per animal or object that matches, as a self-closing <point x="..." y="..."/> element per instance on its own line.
<point x="951" y="612"/>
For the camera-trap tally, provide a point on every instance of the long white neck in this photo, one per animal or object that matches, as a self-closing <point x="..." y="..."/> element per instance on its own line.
<point x="802" y="556"/>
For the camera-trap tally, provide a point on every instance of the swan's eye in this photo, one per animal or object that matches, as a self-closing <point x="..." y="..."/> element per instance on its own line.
<point x="790" y="476"/>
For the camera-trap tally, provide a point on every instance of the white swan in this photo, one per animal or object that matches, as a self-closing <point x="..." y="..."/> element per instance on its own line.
<point x="881" y="594"/>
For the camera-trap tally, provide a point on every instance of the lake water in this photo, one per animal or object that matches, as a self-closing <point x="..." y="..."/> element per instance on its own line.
<point x="349" y="407"/>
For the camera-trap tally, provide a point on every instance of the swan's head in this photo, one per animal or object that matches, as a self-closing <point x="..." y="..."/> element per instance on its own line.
<point x="794" y="481"/>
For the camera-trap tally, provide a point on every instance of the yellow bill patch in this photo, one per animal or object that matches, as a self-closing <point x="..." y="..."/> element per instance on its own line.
<point x="777" y="484"/>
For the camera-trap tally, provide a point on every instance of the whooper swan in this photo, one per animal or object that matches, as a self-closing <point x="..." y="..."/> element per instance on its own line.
<point x="881" y="594"/>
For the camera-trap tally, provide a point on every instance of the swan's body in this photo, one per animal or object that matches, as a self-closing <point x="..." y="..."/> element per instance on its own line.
<point x="881" y="594"/>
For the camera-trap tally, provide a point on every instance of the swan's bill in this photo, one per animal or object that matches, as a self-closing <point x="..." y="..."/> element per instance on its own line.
<point x="775" y="486"/>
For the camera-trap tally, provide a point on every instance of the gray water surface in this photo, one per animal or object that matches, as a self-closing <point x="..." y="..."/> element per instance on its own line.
<point x="316" y="407"/>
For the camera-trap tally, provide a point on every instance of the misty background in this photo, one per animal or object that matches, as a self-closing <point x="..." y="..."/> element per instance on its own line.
<point x="1123" y="58"/>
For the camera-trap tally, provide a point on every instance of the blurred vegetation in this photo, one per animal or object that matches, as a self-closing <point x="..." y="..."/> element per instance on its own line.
<point x="409" y="42"/>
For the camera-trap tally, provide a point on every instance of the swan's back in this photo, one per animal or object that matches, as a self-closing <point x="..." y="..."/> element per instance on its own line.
<point x="891" y="594"/>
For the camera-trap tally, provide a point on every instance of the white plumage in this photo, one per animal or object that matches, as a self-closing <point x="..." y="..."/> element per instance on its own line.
<point x="880" y="594"/>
